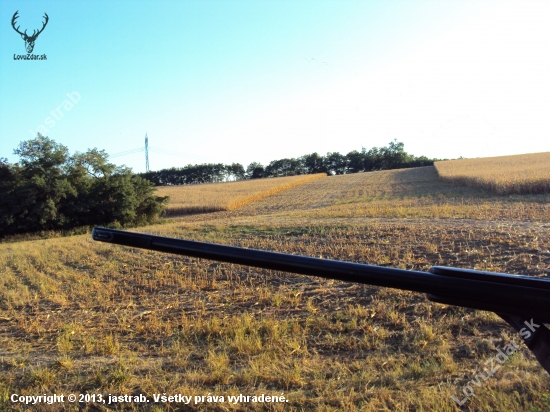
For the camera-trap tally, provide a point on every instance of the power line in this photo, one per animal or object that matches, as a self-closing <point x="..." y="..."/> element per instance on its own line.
<point x="152" y="149"/>
<point x="157" y="150"/>
<point x="127" y="152"/>
<point x="172" y="153"/>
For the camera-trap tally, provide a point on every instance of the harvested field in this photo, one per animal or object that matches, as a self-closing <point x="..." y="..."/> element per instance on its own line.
<point x="395" y="194"/>
<point x="215" y="197"/>
<point x="80" y="316"/>
<point x="518" y="174"/>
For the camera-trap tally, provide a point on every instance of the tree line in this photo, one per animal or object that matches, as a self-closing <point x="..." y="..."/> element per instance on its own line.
<point x="51" y="190"/>
<point x="333" y="163"/>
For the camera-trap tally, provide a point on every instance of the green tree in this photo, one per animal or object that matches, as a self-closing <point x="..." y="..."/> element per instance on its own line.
<point x="394" y="156"/>
<point x="313" y="163"/>
<point x="149" y="206"/>
<point x="335" y="163"/>
<point x="284" y="167"/>
<point x="43" y="183"/>
<point x="372" y="159"/>
<point x="236" y="170"/>
<point x="48" y="189"/>
<point x="255" y="170"/>
<point x="10" y="201"/>
<point x="355" y="162"/>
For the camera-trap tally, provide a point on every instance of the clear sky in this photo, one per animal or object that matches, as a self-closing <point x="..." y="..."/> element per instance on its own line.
<point x="242" y="81"/>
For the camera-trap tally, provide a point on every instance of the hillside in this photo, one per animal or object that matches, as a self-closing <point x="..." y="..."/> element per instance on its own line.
<point x="213" y="197"/>
<point x="395" y="194"/>
<point x="517" y="174"/>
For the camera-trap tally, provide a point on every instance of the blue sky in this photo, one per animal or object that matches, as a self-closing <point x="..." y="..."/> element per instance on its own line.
<point x="243" y="81"/>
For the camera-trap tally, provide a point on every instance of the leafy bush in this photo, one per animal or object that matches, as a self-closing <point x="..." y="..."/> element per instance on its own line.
<point x="51" y="190"/>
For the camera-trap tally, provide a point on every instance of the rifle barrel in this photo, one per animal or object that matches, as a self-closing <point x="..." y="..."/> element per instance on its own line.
<point x="501" y="293"/>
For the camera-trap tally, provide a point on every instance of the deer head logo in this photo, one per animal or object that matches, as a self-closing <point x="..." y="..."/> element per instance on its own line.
<point x="29" y="40"/>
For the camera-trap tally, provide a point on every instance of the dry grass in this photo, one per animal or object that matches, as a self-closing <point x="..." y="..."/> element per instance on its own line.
<point x="519" y="174"/>
<point x="395" y="194"/>
<point x="226" y="196"/>
<point x="82" y="316"/>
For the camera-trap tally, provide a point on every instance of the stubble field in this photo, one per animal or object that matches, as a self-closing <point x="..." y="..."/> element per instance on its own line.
<point x="81" y="316"/>
<point x="215" y="197"/>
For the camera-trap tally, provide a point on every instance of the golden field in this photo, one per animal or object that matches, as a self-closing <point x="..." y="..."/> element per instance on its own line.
<point x="81" y="316"/>
<point x="518" y="174"/>
<point x="395" y="194"/>
<point x="215" y="197"/>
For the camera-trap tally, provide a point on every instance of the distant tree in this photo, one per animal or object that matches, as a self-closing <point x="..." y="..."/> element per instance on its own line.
<point x="378" y="158"/>
<point x="255" y="170"/>
<point x="372" y="159"/>
<point x="419" y="161"/>
<point x="394" y="156"/>
<point x="335" y="163"/>
<point x="355" y="162"/>
<point x="313" y="163"/>
<point x="236" y="170"/>
<point x="284" y="167"/>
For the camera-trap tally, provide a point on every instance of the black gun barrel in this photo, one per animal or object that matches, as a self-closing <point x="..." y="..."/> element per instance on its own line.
<point x="497" y="292"/>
